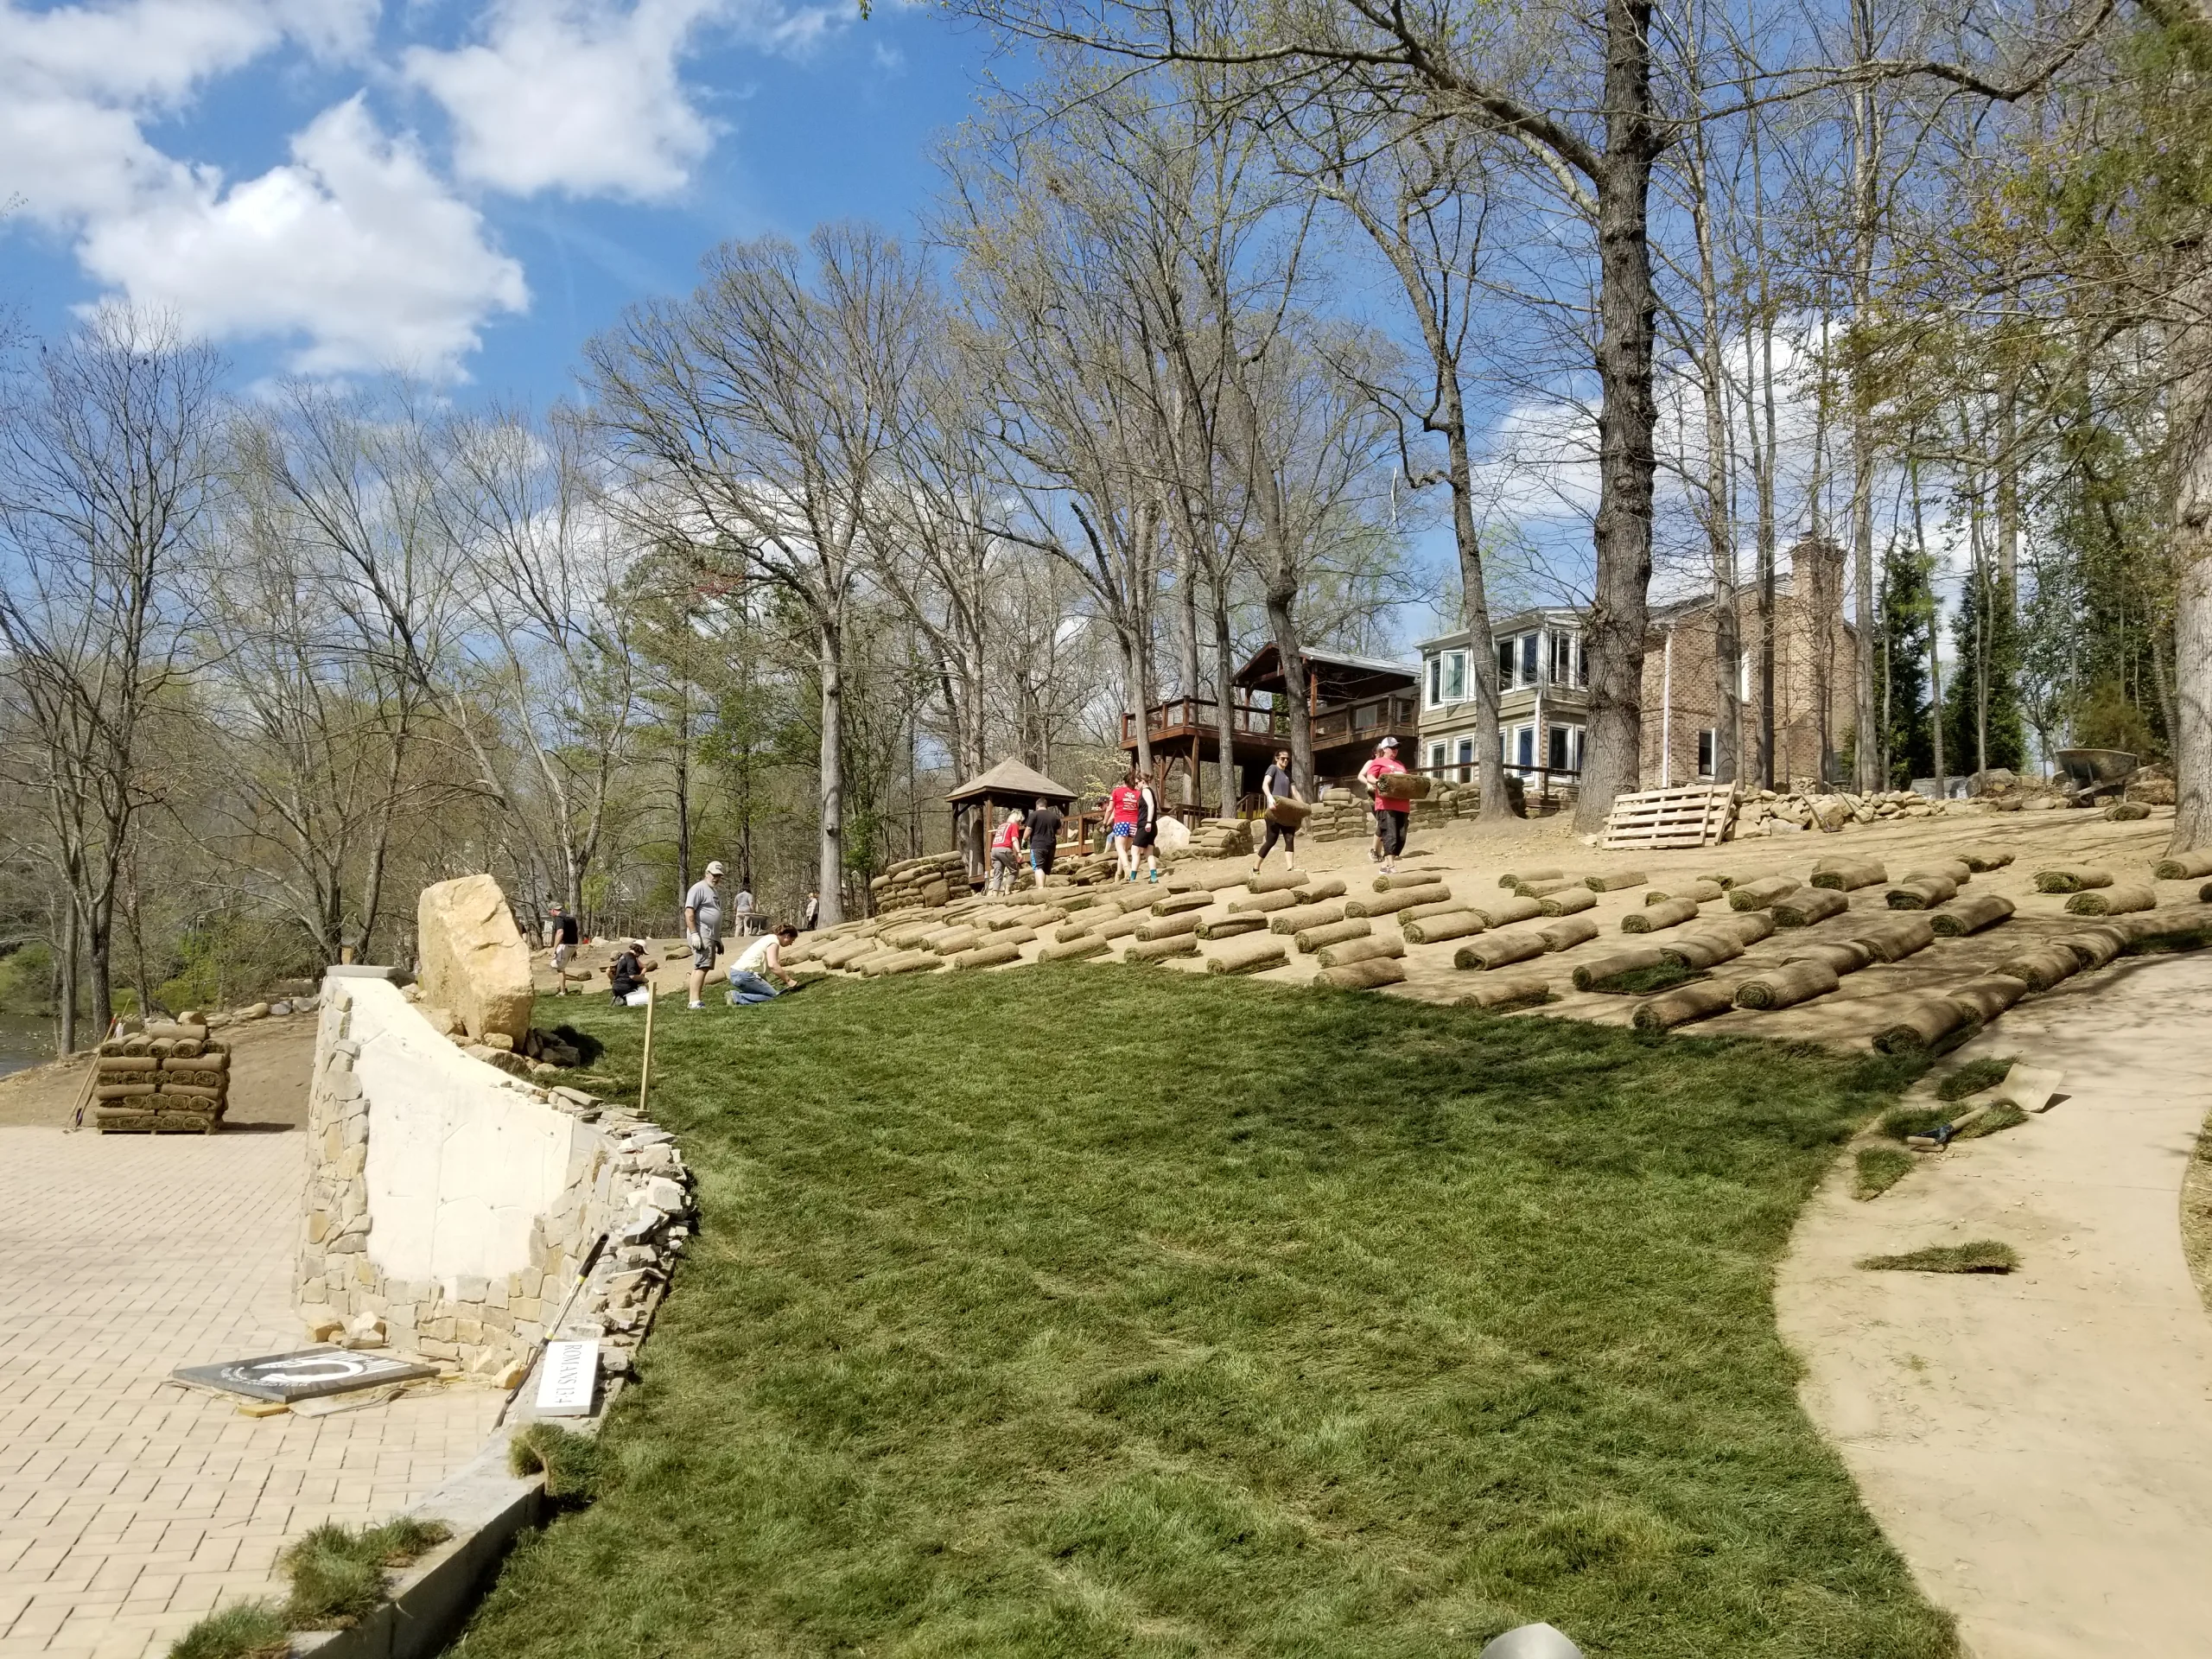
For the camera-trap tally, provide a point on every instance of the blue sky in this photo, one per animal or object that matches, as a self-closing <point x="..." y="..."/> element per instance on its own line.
<point x="468" y="190"/>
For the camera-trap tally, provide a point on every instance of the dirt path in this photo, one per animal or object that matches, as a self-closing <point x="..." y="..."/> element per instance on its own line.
<point x="2039" y="1446"/>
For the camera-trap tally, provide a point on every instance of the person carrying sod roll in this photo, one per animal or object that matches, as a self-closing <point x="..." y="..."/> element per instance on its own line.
<point x="1390" y="810"/>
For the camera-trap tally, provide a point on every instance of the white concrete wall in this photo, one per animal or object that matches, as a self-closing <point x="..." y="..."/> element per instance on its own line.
<point x="462" y="1159"/>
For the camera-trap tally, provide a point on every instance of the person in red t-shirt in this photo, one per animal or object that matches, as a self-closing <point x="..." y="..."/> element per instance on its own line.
<point x="1002" y="847"/>
<point x="1390" y="810"/>
<point x="1123" y="804"/>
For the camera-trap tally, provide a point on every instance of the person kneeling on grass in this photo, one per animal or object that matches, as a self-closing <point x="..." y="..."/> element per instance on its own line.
<point x="626" y="977"/>
<point x="752" y="975"/>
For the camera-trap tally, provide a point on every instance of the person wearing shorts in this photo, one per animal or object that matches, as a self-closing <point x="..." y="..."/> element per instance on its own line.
<point x="1002" y="846"/>
<point x="566" y="936"/>
<point x="1122" y="806"/>
<point x="703" y="928"/>
<point x="1275" y="786"/>
<point x="1390" y="810"/>
<point x="1044" y="821"/>
<point x="1145" y="843"/>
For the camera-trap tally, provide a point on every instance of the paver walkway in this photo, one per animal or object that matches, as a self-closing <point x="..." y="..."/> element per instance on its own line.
<point x="2039" y="1446"/>
<point x="127" y="1507"/>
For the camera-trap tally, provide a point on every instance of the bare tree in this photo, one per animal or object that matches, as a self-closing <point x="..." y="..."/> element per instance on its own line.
<point x="108" y="469"/>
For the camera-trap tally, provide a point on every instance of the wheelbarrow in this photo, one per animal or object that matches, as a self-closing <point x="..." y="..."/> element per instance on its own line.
<point x="2094" y="774"/>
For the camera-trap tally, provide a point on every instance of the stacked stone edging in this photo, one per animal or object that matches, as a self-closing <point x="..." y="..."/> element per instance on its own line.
<point x="625" y="1180"/>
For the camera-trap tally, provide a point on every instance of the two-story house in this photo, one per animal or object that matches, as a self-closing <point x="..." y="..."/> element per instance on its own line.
<point x="1542" y="704"/>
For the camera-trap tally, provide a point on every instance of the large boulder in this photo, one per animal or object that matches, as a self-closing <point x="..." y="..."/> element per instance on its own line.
<point x="474" y="960"/>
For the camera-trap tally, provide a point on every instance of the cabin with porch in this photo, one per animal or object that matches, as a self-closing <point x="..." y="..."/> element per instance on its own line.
<point x="1353" y="703"/>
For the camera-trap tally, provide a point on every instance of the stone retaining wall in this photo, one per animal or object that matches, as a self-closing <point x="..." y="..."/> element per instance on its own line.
<point x="449" y="1206"/>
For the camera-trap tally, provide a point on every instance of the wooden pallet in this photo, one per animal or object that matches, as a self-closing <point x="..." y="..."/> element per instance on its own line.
<point x="1695" y="814"/>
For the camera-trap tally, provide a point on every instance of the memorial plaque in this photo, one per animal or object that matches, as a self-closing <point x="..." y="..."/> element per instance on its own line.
<point x="566" y="1379"/>
<point x="305" y="1375"/>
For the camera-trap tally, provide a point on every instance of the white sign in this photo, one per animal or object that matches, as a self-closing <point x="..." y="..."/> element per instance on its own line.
<point x="566" y="1378"/>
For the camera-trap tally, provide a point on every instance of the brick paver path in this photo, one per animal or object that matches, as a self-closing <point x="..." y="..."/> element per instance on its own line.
<point x="128" y="1507"/>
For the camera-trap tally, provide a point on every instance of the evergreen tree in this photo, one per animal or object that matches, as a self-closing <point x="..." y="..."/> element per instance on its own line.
<point x="1982" y="722"/>
<point x="1908" y="614"/>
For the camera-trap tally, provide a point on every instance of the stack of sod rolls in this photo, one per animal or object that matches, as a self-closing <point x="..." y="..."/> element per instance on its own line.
<point x="168" y="1079"/>
<point x="918" y="881"/>
<point x="1221" y="838"/>
<point x="1340" y="815"/>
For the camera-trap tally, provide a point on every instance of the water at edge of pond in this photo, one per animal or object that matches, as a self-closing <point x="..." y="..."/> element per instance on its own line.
<point x="25" y="1040"/>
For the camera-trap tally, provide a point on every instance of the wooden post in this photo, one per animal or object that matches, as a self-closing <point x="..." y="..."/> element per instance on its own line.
<point x="645" y="1065"/>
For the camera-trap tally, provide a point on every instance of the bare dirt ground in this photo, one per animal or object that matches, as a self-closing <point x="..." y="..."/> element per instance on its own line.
<point x="269" y="1063"/>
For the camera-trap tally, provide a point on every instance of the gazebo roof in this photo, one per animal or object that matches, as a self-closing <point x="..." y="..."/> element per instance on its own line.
<point x="1010" y="780"/>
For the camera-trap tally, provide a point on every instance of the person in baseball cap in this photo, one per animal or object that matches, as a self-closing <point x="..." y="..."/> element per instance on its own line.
<point x="1390" y="810"/>
<point x="703" y="928"/>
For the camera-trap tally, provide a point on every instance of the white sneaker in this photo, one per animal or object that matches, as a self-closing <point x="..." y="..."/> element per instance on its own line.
<point x="695" y="1004"/>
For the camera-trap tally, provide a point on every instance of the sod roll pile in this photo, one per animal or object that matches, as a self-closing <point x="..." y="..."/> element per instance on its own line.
<point x="171" y="1078"/>
<point x="2119" y="899"/>
<point x="1786" y="986"/>
<point x="1762" y="893"/>
<point x="1971" y="915"/>
<point x="1808" y="906"/>
<point x="1670" y="913"/>
<point x="1369" y="976"/>
<point x="1683" y="1004"/>
<point x="1508" y="991"/>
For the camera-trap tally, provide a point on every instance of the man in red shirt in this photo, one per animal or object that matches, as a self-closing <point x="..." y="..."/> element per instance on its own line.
<point x="1390" y="810"/>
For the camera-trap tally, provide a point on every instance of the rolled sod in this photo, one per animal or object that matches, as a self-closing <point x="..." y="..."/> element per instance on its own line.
<point x="1842" y="955"/>
<point x="1369" y="976"/>
<point x="1289" y="814"/>
<point x="1747" y="928"/>
<point x="1122" y="925"/>
<point x="1970" y="915"/>
<point x="2127" y="812"/>
<point x="1387" y="904"/>
<point x="121" y="1090"/>
<point x="951" y="941"/>
<point x="1978" y="859"/>
<point x="1720" y="878"/>
<point x="908" y="935"/>
<point x="1671" y="912"/>
<point x="1506" y="912"/>
<point x="1177" y="904"/>
<point x="1989" y="996"/>
<point x="1567" y="902"/>
<point x="2184" y="866"/>
<point x="1447" y="924"/>
<point x="1016" y="935"/>
<point x="845" y="952"/>
<point x="1091" y="944"/>
<point x="1700" y="950"/>
<point x="1311" y="939"/>
<point x="1895" y="937"/>
<point x="1255" y="955"/>
<point x="1074" y="901"/>
<point x="1923" y="891"/>
<point x="1069" y="931"/>
<point x="1683" y="1004"/>
<point x="2093" y="946"/>
<point x="1762" y="893"/>
<point x="1516" y="878"/>
<point x="1508" y="991"/>
<point x="1849" y="875"/>
<point x="1403" y="879"/>
<point x="2072" y="878"/>
<point x="1808" y="906"/>
<point x="989" y="956"/>
<point x="1498" y="950"/>
<point x="2179" y="927"/>
<point x="1329" y="887"/>
<point x="1567" y="933"/>
<point x="1259" y="904"/>
<point x="1207" y="882"/>
<point x="2044" y="967"/>
<point x="1367" y="949"/>
<point x="1422" y="912"/>
<point x="901" y="961"/>
<point x="2205" y="893"/>
<point x="1231" y="927"/>
<point x="1299" y="917"/>
<point x="1402" y="786"/>
<point x="1180" y="944"/>
<point x="1538" y="889"/>
<point x="1169" y="927"/>
<point x="1786" y="986"/>
<point x="935" y="939"/>
<point x="1957" y="868"/>
<point x="1592" y="976"/>
<point x="1921" y="1025"/>
<point x="1615" y="881"/>
<point x="1698" y="893"/>
<point x="2116" y="900"/>
<point x="1276" y="880"/>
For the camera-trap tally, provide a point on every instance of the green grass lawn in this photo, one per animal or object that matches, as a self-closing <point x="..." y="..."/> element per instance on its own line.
<point x="1098" y="1309"/>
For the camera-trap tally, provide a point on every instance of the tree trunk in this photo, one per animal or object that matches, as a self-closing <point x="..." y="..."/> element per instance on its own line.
<point x="65" y="995"/>
<point x="2189" y="422"/>
<point x="1284" y="628"/>
<point x="1224" y="720"/>
<point x="830" y="876"/>
<point x="1627" y="414"/>
<point x="1474" y="615"/>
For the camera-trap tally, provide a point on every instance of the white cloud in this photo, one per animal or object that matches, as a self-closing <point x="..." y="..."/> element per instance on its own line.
<point x="354" y="243"/>
<point x="586" y="96"/>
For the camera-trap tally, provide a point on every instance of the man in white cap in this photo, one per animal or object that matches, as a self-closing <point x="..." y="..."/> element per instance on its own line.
<point x="703" y="928"/>
<point x="1390" y="810"/>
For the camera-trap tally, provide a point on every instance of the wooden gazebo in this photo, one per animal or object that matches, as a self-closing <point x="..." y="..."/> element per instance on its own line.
<point x="1009" y="784"/>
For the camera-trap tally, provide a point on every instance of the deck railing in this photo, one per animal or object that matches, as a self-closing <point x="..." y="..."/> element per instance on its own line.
<point x="1199" y="713"/>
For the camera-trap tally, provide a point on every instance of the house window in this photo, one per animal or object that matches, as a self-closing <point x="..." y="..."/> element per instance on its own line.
<point x="1707" y="743"/>
<point x="1566" y="659"/>
<point x="1505" y="665"/>
<point x="1528" y="660"/>
<point x="1455" y="676"/>
<point x="1435" y="681"/>
<point x="1524" y="743"/>
<point x="1436" y="757"/>
<point x="1466" y="760"/>
<point x="1556" y="748"/>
